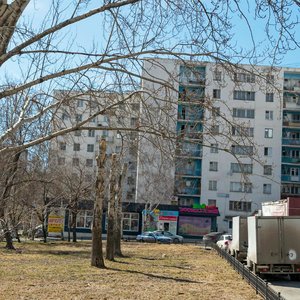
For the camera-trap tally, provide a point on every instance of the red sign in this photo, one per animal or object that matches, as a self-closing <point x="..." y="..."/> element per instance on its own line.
<point x="167" y="218"/>
<point x="199" y="210"/>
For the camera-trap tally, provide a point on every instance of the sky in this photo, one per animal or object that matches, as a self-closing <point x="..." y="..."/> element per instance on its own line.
<point x="87" y="32"/>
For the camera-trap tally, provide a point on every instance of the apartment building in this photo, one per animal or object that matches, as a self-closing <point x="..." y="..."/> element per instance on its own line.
<point x="76" y="152"/>
<point x="237" y="134"/>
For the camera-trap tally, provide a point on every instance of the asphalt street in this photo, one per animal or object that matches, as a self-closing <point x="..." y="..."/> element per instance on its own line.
<point x="290" y="290"/>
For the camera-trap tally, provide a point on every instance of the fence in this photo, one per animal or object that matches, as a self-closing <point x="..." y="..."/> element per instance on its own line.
<point x="261" y="286"/>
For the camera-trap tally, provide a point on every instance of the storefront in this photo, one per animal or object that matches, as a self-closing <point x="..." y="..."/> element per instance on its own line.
<point x="163" y="217"/>
<point x="196" y="222"/>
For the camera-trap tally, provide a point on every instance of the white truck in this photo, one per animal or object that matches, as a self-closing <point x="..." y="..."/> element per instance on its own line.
<point x="274" y="245"/>
<point x="239" y="244"/>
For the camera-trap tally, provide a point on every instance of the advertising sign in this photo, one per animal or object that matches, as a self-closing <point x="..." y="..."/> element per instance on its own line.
<point x="55" y="223"/>
<point x="195" y="226"/>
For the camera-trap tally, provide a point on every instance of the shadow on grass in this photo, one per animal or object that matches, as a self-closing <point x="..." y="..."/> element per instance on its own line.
<point x="79" y="254"/>
<point x="155" y="276"/>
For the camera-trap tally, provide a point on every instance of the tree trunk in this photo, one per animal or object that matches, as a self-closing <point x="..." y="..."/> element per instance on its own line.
<point x="97" y="251"/>
<point x="110" y="247"/>
<point x="8" y="180"/>
<point x="69" y="225"/>
<point x="118" y="222"/>
<point x="74" y="235"/>
<point x="45" y="224"/>
<point x="8" y="238"/>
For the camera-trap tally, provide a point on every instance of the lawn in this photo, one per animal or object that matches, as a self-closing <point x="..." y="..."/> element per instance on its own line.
<point x="60" y="270"/>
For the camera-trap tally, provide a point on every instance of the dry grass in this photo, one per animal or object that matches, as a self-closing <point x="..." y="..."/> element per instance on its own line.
<point x="149" y="271"/>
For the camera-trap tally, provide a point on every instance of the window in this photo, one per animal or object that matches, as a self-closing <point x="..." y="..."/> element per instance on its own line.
<point x="76" y="147"/>
<point x="239" y="206"/>
<point x="270" y="78"/>
<point x="185" y="202"/>
<point x="89" y="162"/>
<point x="269" y="97"/>
<point x="135" y="106"/>
<point x="241" y="187"/>
<point x="212" y="202"/>
<point x="243" y="131"/>
<point x="64" y="116"/>
<point x="104" y="133"/>
<point x="268" y="133"/>
<point x="93" y="120"/>
<point x="77" y="133"/>
<point x="84" y="219"/>
<point x="241" y="168"/>
<point x="119" y="136"/>
<point x="78" y="117"/>
<point x="269" y="115"/>
<point x="216" y="93"/>
<point x="243" y="113"/>
<point x="213" y="166"/>
<point x="214" y="148"/>
<point x="214" y="129"/>
<point x="62" y="146"/>
<point x="91" y="133"/>
<point x="80" y="103"/>
<point x="130" y="180"/>
<point x="75" y="161"/>
<point x="267" y="151"/>
<point x="267" y="170"/>
<point x="61" y="161"/>
<point x="133" y="121"/>
<point x="244" y="95"/>
<point x="244" y="77"/>
<point x="217" y="75"/>
<point x="118" y="149"/>
<point x="242" y="150"/>
<point x="215" y="111"/>
<point x="130" y="221"/>
<point x="90" y="147"/>
<point x="267" y="188"/>
<point x="212" y="185"/>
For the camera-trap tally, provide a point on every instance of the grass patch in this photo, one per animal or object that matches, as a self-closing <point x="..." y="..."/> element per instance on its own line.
<point x="62" y="270"/>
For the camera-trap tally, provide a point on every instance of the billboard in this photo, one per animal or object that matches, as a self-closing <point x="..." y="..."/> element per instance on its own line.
<point x="194" y="226"/>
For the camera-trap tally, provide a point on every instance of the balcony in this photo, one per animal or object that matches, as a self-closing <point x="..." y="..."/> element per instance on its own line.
<point x="290" y="178"/>
<point x="188" y="172"/>
<point x="188" y="153"/>
<point x="293" y="123"/>
<point x="190" y="117"/>
<point x="188" y="191"/>
<point x="287" y="141"/>
<point x="290" y="160"/>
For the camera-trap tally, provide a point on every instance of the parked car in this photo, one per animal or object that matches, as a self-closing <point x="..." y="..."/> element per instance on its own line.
<point x="224" y="241"/>
<point x="152" y="237"/>
<point x="212" y="237"/>
<point x="175" y="238"/>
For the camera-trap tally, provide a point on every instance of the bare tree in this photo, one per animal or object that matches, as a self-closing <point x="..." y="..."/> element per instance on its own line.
<point x="118" y="212"/>
<point x="48" y="56"/>
<point x="111" y="209"/>
<point x="97" y="251"/>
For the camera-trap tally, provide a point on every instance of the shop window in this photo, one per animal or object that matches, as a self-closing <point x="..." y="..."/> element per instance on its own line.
<point x="84" y="219"/>
<point x="130" y="221"/>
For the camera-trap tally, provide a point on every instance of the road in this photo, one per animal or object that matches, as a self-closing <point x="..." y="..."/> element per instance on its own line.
<point x="290" y="290"/>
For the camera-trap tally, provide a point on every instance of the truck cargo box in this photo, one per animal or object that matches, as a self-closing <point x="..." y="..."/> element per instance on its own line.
<point x="239" y="243"/>
<point x="273" y="240"/>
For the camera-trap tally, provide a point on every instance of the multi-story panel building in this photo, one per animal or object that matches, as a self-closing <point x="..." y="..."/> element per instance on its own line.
<point x="76" y="152"/>
<point x="236" y="133"/>
<point x="291" y="134"/>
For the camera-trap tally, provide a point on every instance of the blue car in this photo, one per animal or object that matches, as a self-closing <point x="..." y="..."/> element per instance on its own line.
<point x="153" y="237"/>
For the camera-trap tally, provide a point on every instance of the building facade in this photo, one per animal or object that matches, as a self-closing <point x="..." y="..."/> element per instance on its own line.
<point x="75" y="153"/>
<point x="236" y="133"/>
